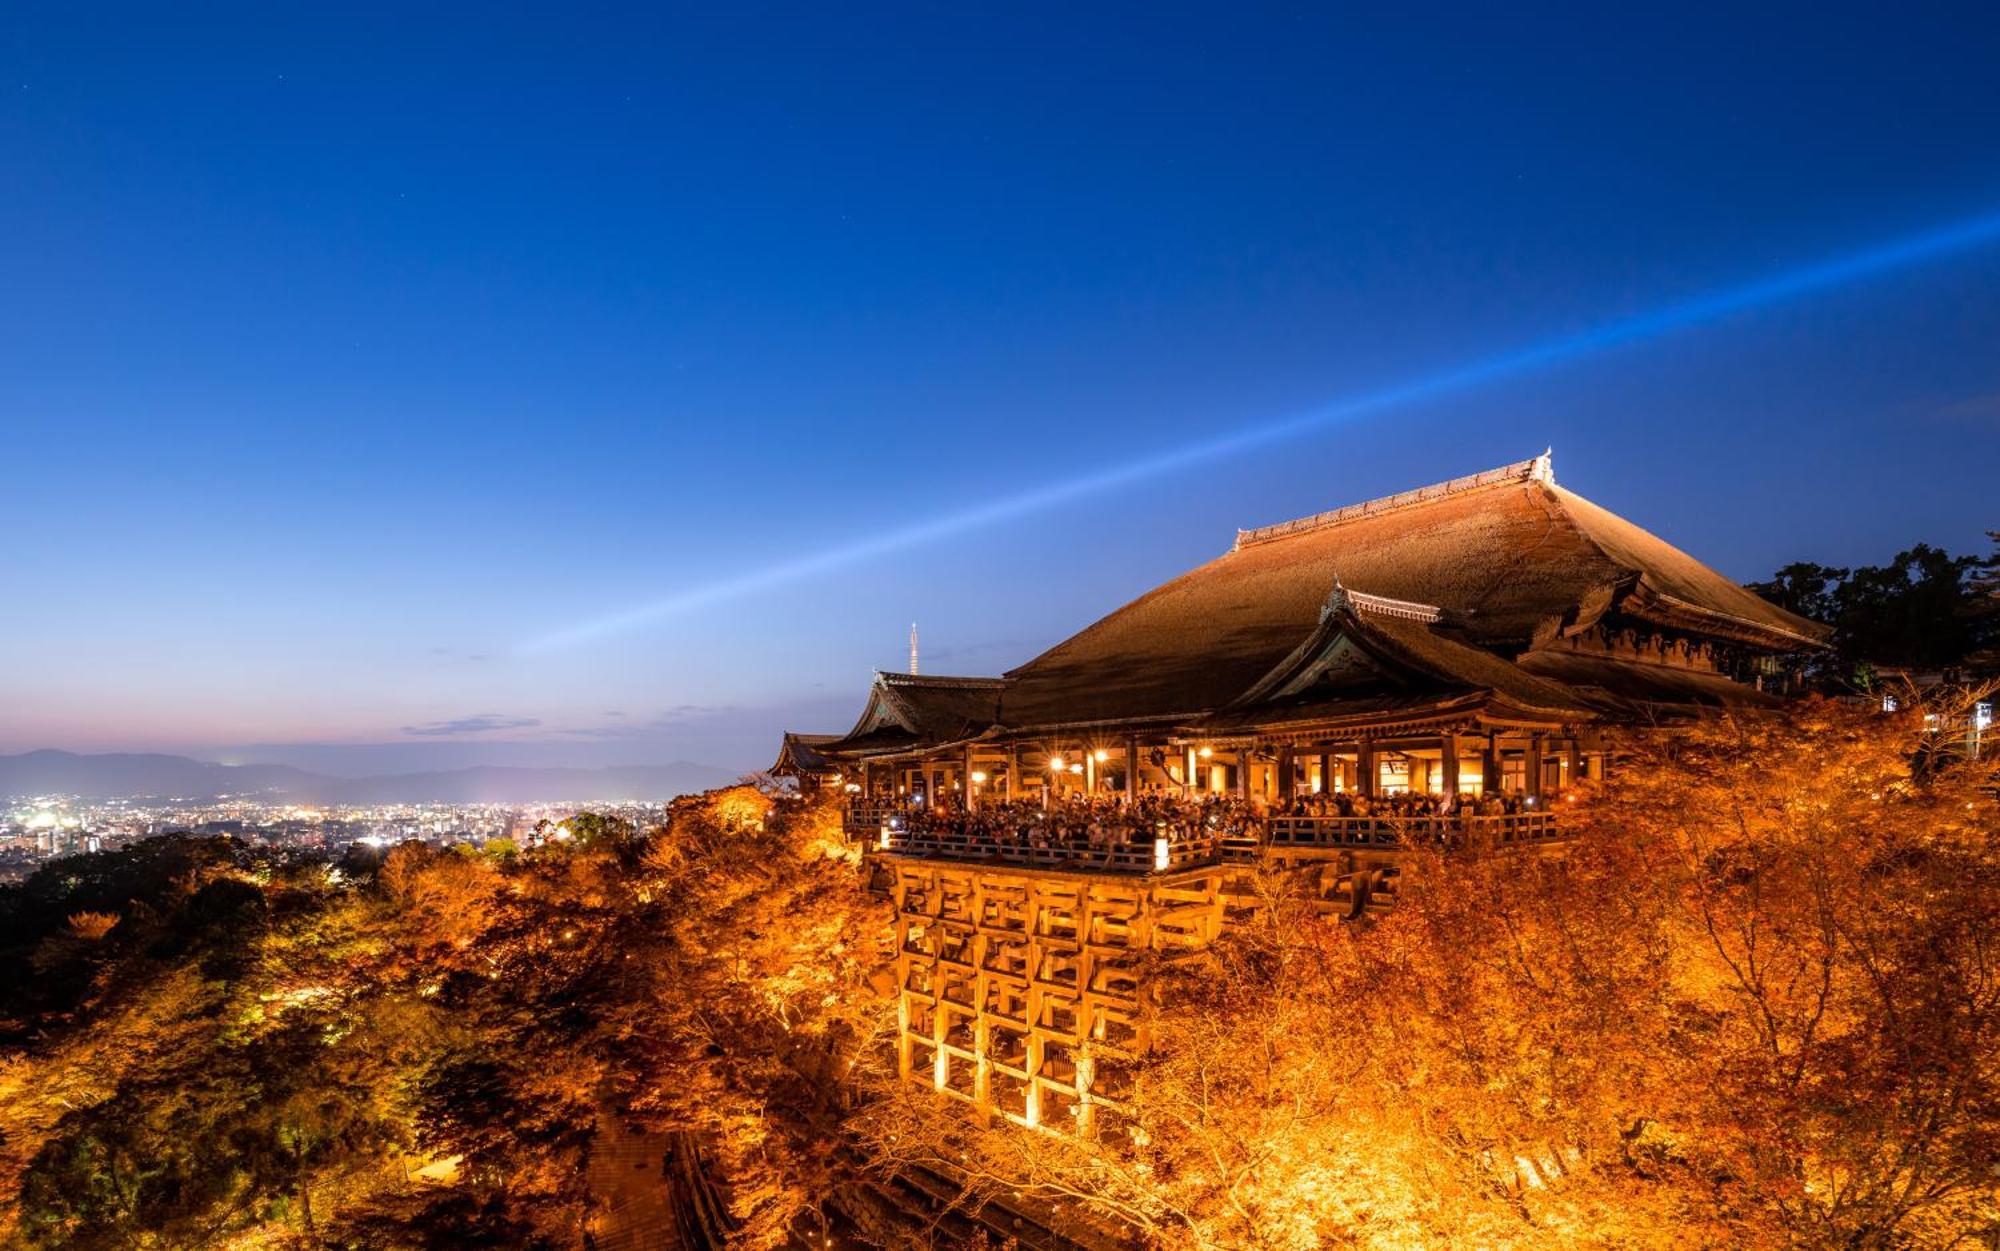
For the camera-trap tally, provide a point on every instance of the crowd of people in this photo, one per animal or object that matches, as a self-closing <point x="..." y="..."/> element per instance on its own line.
<point x="1107" y="828"/>
<point x="1401" y="805"/>
<point x="1083" y="825"/>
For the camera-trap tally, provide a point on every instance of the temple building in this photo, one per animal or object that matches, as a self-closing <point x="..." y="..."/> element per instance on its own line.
<point x="1458" y="639"/>
<point x="800" y="758"/>
<point x="1433" y="668"/>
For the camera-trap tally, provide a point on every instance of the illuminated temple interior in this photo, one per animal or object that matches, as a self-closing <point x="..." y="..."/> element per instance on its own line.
<point x="1430" y="670"/>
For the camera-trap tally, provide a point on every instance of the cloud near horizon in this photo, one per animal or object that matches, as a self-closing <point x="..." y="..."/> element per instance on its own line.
<point x="1978" y="410"/>
<point x="678" y="717"/>
<point x="483" y="723"/>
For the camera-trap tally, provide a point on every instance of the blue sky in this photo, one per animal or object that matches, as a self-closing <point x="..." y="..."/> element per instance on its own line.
<point x="345" y="357"/>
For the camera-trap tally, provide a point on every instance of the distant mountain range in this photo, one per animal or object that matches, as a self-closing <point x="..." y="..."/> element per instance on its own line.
<point x="149" y="776"/>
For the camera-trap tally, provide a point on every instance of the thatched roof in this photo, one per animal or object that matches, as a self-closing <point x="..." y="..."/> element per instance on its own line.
<point x="1500" y="555"/>
<point x="1618" y="684"/>
<point x="802" y="754"/>
<point x="1366" y="646"/>
<point x="909" y="710"/>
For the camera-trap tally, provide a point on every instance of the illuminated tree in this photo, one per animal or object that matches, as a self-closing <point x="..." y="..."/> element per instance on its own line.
<point x="1751" y="1005"/>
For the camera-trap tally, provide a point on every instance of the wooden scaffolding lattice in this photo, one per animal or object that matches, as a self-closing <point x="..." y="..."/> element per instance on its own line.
<point x="1020" y="990"/>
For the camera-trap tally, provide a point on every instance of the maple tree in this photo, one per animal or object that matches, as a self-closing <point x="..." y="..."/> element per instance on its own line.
<point x="1751" y="1004"/>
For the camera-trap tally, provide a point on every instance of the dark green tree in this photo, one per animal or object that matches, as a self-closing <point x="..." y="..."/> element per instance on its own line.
<point x="1985" y="588"/>
<point x="1805" y="588"/>
<point x="1924" y="610"/>
<point x="1914" y="612"/>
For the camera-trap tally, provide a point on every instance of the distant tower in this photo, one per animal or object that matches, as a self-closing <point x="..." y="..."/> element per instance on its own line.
<point x="913" y="649"/>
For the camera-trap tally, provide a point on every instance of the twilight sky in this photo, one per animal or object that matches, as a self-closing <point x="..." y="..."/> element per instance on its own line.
<point x="368" y="381"/>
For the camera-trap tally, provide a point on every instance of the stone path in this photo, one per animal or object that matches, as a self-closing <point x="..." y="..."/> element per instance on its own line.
<point x="638" y="1203"/>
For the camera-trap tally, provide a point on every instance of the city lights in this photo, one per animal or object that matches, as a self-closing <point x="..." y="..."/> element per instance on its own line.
<point x="53" y="826"/>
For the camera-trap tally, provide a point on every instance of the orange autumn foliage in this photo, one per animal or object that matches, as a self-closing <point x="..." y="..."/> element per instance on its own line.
<point x="1755" y="1003"/>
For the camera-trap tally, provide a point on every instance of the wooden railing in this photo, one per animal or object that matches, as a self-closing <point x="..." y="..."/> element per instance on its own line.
<point x="1148" y="856"/>
<point x="1518" y="827"/>
<point x="863" y="820"/>
<point x="1165" y="856"/>
<point x="1457" y="831"/>
<point x="1345" y="831"/>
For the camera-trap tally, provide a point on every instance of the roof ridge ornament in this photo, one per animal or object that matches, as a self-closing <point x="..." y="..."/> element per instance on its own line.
<point x="1543" y="468"/>
<point x="1341" y="599"/>
<point x="1539" y="469"/>
<point x="1336" y="601"/>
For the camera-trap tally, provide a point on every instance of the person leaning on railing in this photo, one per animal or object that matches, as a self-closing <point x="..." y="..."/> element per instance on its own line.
<point x="1099" y="827"/>
<point x="1404" y="805"/>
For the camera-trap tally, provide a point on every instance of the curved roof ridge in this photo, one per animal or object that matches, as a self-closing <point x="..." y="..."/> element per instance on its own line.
<point x="894" y="677"/>
<point x="1671" y="574"/>
<point x="1536" y="469"/>
<point x="1361" y="601"/>
<point x="1495" y="560"/>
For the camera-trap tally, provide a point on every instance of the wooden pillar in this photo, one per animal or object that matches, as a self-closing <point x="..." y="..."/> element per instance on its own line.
<point x="1574" y="754"/>
<point x="1086" y="1076"/>
<point x="1532" y="782"/>
<point x="905" y="1057"/>
<point x="940" y="1058"/>
<point x="1031" y="1061"/>
<point x="1131" y="768"/>
<point x="1326" y="767"/>
<point x="1013" y="768"/>
<point x="1364" y="752"/>
<point x="1448" y="759"/>
<point x="971" y="791"/>
<point x="1243" y="774"/>
<point x="1090" y="771"/>
<point x="905" y="1047"/>
<point x="1287" y="784"/>
<point x="1489" y="768"/>
<point x="1187" y="771"/>
<point x="982" y="1043"/>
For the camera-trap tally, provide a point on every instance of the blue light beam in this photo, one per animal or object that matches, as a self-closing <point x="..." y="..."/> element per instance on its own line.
<point x="1931" y="245"/>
